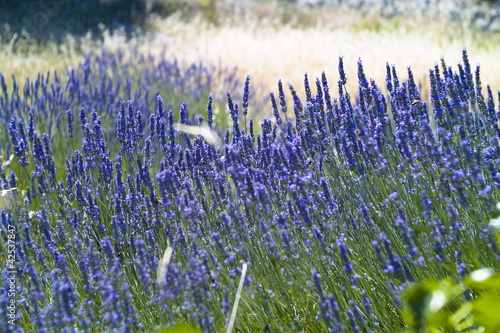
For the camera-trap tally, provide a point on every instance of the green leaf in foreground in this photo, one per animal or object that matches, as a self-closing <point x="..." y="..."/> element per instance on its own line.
<point x="425" y="302"/>
<point x="486" y="311"/>
<point x="484" y="279"/>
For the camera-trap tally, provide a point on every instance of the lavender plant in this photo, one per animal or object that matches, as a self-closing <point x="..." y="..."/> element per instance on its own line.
<point x="124" y="225"/>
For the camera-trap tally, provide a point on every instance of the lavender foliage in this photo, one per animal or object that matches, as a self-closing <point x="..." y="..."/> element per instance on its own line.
<point x="335" y="209"/>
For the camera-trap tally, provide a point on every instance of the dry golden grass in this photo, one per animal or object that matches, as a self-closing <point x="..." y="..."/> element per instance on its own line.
<point x="269" y="51"/>
<point x="257" y="42"/>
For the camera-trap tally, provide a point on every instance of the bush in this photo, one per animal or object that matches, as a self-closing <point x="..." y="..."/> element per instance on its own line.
<point x="131" y="216"/>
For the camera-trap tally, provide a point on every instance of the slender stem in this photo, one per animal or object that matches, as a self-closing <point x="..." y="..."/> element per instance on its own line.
<point x="237" y="299"/>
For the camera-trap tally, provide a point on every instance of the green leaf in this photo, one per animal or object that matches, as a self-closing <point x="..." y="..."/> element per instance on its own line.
<point x="461" y="318"/>
<point x="495" y="223"/>
<point x="483" y="278"/>
<point x="429" y="309"/>
<point x="486" y="312"/>
<point x="424" y="300"/>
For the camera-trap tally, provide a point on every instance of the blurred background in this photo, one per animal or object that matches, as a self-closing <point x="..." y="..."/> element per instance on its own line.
<point x="268" y="40"/>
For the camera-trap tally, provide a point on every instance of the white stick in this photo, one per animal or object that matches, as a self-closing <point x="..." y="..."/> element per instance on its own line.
<point x="7" y="191"/>
<point x="237" y="299"/>
<point x="210" y="135"/>
<point x="162" y="266"/>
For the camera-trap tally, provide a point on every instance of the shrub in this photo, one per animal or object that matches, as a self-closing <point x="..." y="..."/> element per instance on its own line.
<point x="336" y="205"/>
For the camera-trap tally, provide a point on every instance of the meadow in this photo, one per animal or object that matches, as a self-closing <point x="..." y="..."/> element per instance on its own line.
<point x="149" y="188"/>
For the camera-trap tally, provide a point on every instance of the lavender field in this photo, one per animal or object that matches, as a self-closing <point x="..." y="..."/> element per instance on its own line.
<point x="141" y="194"/>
